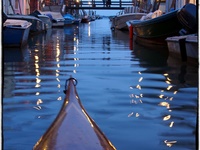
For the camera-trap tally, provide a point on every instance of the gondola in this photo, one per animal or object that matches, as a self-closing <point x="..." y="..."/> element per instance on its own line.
<point x="73" y="128"/>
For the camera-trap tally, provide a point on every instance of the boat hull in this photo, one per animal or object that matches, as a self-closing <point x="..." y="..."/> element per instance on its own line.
<point x="188" y="18"/>
<point x="119" y="22"/>
<point x="185" y="47"/>
<point x="192" y="46"/>
<point x="156" y="30"/>
<point x="38" y="25"/>
<point x="57" y="18"/>
<point x="16" y="36"/>
<point x="73" y="128"/>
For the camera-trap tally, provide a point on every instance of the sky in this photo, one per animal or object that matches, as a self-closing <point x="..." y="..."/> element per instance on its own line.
<point x="107" y="12"/>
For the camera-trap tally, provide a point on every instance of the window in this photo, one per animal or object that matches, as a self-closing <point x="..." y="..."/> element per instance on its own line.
<point x="16" y="4"/>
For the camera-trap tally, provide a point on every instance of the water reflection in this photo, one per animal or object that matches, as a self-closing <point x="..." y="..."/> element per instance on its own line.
<point x="135" y="96"/>
<point x="167" y="86"/>
<point x="15" y="54"/>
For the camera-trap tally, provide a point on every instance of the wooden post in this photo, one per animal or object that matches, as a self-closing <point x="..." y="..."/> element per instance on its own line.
<point x="131" y="32"/>
<point x="33" y="5"/>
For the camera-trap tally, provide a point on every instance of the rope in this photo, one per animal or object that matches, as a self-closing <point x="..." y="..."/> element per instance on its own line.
<point x="75" y="82"/>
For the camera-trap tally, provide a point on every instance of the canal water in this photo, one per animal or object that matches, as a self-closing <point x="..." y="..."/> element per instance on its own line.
<point x="140" y="98"/>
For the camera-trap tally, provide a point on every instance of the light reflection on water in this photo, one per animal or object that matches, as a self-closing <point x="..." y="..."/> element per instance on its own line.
<point x="140" y="98"/>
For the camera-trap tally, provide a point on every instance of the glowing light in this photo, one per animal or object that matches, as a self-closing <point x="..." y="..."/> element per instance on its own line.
<point x="58" y="65"/>
<point x="37" y="93"/>
<point x="137" y="115"/>
<point x="37" y="107"/>
<point x="167" y="117"/>
<point x="58" y="79"/>
<point x="170" y="143"/>
<point x="89" y="30"/>
<point x="169" y="87"/>
<point x="136" y="96"/>
<point x="161" y="96"/>
<point x="140" y="79"/>
<point x="131" y="114"/>
<point x="38" y="80"/>
<point x="175" y="92"/>
<point x="138" y="86"/>
<point x="133" y="101"/>
<point x="87" y="118"/>
<point x="171" y="124"/>
<point x="169" y="79"/>
<point x="59" y="98"/>
<point x="36" y="65"/>
<point x="75" y="59"/>
<point x="139" y="72"/>
<point x="166" y="98"/>
<point x="165" y="104"/>
<point x="37" y="58"/>
<point x="57" y="74"/>
<point x="76" y="65"/>
<point x="167" y="82"/>
<point x="131" y="95"/>
<point x="39" y="101"/>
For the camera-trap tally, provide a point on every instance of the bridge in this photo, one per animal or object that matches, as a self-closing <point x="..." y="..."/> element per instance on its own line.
<point x="92" y="4"/>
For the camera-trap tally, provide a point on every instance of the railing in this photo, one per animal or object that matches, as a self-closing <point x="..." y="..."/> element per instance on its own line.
<point x="95" y="4"/>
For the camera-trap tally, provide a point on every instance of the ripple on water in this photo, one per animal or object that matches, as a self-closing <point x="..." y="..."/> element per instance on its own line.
<point x="140" y="98"/>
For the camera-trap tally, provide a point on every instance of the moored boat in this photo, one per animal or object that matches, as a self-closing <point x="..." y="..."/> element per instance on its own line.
<point x="156" y="30"/>
<point x="185" y="46"/>
<point x="38" y="25"/>
<point x="73" y="128"/>
<point x="15" y="32"/>
<point x="119" y="22"/>
<point x="69" y="19"/>
<point x="57" y="18"/>
<point x="129" y="13"/>
<point x="46" y="19"/>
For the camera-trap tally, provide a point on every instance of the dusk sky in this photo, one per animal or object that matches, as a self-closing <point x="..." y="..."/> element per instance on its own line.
<point x="107" y="12"/>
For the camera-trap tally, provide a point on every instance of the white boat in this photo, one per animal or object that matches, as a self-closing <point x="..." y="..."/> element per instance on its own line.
<point x="57" y="18"/>
<point x="38" y="25"/>
<point x="46" y="19"/>
<point x="15" y="32"/>
<point x="185" y="46"/>
<point x="129" y="13"/>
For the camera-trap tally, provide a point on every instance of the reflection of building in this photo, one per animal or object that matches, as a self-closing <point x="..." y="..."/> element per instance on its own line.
<point x="17" y="6"/>
<point x="27" y="6"/>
